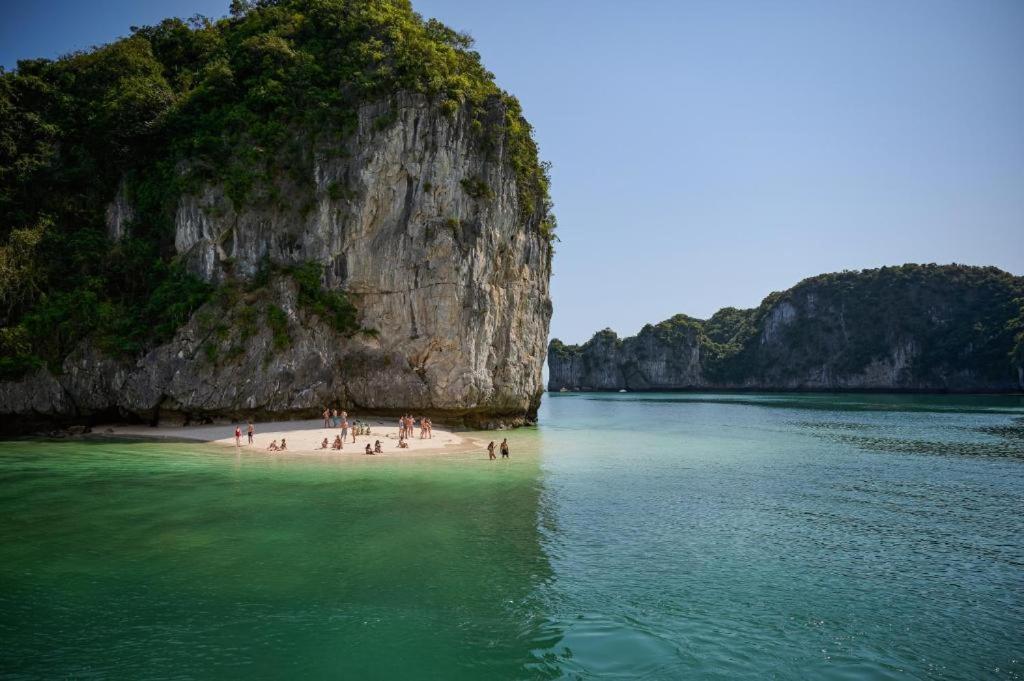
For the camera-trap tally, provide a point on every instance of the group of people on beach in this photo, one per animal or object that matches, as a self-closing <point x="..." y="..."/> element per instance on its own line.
<point x="339" y="444"/>
<point x="332" y="418"/>
<point x="504" y="450"/>
<point x="250" y="430"/>
<point x="407" y="425"/>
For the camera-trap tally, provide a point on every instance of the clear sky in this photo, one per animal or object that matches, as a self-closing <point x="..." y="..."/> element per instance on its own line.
<point x="707" y="153"/>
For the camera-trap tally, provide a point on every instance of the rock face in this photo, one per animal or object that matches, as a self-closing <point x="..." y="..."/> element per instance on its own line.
<point x="916" y="328"/>
<point x="419" y="227"/>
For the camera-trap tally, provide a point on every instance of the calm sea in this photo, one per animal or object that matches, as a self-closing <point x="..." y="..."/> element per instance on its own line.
<point x="657" y="536"/>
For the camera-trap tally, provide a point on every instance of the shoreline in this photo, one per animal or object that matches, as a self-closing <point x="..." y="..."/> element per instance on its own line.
<point x="304" y="437"/>
<point x="1017" y="392"/>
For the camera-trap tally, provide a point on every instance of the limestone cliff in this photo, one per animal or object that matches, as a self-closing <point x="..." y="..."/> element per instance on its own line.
<point x="451" y="287"/>
<point x="305" y="203"/>
<point x="925" y="328"/>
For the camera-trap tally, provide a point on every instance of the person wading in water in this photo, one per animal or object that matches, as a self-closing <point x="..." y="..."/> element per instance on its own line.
<point x="504" y="448"/>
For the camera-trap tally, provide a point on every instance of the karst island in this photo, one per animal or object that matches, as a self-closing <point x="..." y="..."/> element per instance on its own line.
<point x="302" y="204"/>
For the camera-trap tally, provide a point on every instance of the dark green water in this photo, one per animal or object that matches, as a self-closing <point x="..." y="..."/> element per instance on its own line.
<point x="652" y="536"/>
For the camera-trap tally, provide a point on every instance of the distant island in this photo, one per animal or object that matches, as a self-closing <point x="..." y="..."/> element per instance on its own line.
<point x="909" y="328"/>
<point x="299" y="205"/>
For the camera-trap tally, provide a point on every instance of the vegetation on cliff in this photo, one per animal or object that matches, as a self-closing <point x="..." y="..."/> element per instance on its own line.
<point x="956" y="318"/>
<point x="238" y="102"/>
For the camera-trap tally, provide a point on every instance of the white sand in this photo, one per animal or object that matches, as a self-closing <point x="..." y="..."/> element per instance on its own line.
<point x="304" y="437"/>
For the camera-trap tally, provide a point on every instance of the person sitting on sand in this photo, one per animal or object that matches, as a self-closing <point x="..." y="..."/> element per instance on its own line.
<point x="402" y="444"/>
<point x="490" y="451"/>
<point x="272" y="447"/>
<point x="325" y="444"/>
<point x="376" y="448"/>
<point x="504" y="448"/>
<point x="337" y="442"/>
<point x="284" y="445"/>
<point x="368" y="449"/>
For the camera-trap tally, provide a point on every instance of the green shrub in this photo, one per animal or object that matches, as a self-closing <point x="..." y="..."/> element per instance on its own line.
<point x="385" y="121"/>
<point x="477" y="188"/>
<point x="337" y="192"/>
<point x="331" y="306"/>
<point x="277" y="320"/>
<point x="233" y="353"/>
<point x="246" y="320"/>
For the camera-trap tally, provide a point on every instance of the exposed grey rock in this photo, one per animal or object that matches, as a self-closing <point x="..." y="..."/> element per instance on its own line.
<point x="455" y="287"/>
<point x="37" y="394"/>
<point x="120" y="213"/>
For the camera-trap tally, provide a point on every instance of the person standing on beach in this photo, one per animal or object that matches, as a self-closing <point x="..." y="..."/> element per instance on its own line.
<point x="327" y="416"/>
<point x="251" y="430"/>
<point x="334" y="418"/>
<point x="238" y="436"/>
<point x="490" y="451"/>
<point x="504" y="448"/>
<point x="344" y="430"/>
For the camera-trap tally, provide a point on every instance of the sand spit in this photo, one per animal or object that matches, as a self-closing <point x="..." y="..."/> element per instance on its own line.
<point x="304" y="437"/>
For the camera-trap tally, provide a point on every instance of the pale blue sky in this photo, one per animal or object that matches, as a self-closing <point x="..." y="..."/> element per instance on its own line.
<point x="707" y="153"/>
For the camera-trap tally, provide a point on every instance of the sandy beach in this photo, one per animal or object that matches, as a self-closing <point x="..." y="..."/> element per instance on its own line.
<point x="305" y="437"/>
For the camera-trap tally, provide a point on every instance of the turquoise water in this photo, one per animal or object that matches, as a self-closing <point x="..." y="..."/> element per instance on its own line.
<point x="656" y="536"/>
